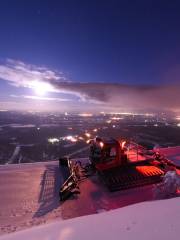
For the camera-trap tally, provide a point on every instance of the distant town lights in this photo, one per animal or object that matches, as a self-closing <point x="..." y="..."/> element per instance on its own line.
<point x="101" y="144"/>
<point x="131" y="113"/>
<point x="71" y="138"/>
<point x="80" y="138"/>
<point x="117" y="118"/>
<point x="108" y="121"/>
<point x="178" y="124"/>
<point x="88" y="135"/>
<point x="53" y="140"/>
<point x="86" y="114"/>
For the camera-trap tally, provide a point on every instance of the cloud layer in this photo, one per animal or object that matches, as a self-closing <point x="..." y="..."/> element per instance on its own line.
<point x="164" y="97"/>
<point x="33" y="97"/>
<point x="20" y="74"/>
<point x="122" y="96"/>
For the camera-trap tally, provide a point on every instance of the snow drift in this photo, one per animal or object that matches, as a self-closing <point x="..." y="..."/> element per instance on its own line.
<point x="149" y="220"/>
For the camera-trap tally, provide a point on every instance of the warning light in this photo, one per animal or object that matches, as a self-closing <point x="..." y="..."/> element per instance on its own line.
<point x="123" y="144"/>
<point x="88" y="135"/>
<point x="101" y="144"/>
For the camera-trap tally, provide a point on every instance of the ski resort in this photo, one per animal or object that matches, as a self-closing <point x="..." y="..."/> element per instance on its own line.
<point x="51" y="191"/>
<point x="89" y="120"/>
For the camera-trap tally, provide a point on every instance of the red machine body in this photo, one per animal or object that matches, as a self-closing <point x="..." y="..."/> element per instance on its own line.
<point x="107" y="153"/>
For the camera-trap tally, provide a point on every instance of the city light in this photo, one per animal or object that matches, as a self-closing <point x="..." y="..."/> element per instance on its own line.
<point x="88" y="135"/>
<point x="117" y="118"/>
<point x="101" y="144"/>
<point x="132" y="114"/>
<point x="71" y="138"/>
<point x="80" y="138"/>
<point x="108" y="121"/>
<point x="53" y="140"/>
<point x="85" y="114"/>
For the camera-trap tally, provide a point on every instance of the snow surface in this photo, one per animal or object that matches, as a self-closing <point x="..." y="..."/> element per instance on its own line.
<point x="172" y="153"/>
<point x="29" y="197"/>
<point x="144" y="221"/>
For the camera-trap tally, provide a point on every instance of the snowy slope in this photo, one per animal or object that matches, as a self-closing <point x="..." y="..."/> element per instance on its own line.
<point x="28" y="195"/>
<point x="172" y="153"/>
<point x="143" y="221"/>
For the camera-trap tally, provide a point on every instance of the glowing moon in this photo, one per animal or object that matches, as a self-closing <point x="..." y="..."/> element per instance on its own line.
<point x="41" y="88"/>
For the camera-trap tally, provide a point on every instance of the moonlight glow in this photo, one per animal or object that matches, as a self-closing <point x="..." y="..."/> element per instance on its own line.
<point x="41" y="88"/>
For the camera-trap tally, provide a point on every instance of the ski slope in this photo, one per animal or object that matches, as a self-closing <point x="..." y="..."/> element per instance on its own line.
<point x="29" y="195"/>
<point x="158" y="220"/>
<point x="172" y="153"/>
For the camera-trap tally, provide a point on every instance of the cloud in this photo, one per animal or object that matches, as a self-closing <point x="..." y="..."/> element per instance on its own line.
<point x="161" y="97"/>
<point x="107" y="95"/>
<point x="19" y="74"/>
<point x="41" y="98"/>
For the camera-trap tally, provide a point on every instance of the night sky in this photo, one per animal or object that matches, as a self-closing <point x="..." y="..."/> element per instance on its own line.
<point x="90" y="55"/>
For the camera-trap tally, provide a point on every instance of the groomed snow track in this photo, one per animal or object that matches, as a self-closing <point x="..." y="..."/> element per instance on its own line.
<point x="131" y="176"/>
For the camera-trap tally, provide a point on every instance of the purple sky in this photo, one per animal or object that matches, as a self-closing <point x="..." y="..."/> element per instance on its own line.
<point x="90" y="55"/>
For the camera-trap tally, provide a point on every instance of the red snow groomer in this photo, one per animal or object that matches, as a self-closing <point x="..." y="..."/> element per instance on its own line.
<point x="118" y="163"/>
<point x="107" y="153"/>
<point x="119" y="168"/>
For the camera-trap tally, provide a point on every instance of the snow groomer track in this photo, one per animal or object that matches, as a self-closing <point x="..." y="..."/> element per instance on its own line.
<point x="135" y="176"/>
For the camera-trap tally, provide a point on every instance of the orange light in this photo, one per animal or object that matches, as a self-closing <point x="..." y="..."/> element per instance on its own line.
<point x="101" y="144"/>
<point x="123" y="144"/>
<point x="88" y="135"/>
<point x="85" y="114"/>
